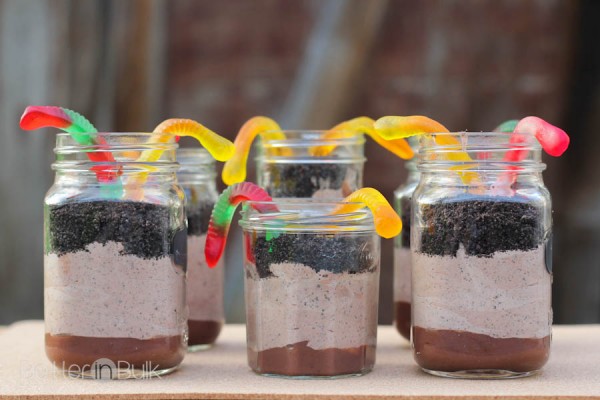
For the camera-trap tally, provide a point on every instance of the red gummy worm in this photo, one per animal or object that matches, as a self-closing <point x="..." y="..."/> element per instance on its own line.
<point x="79" y="128"/>
<point x="516" y="154"/>
<point x="554" y="140"/>
<point x="36" y="117"/>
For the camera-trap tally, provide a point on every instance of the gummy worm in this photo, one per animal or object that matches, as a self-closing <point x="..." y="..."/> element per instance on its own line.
<point x="171" y="129"/>
<point x="394" y="127"/>
<point x="219" y="147"/>
<point x="553" y="140"/>
<point x="399" y="147"/>
<point x="234" y="170"/>
<point x="222" y="214"/>
<point x="80" y="129"/>
<point x="387" y="222"/>
<point x="513" y="155"/>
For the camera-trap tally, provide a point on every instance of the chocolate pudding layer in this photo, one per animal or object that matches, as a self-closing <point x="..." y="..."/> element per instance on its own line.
<point x="328" y="180"/>
<point x="311" y="303"/>
<point x="299" y="359"/>
<point x="481" y="287"/>
<point x="402" y="312"/>
<point x="203" y="332"/>
<point x="114" y="284"/>
<point x="163" y="352"/>
<point x="452" y="351"/>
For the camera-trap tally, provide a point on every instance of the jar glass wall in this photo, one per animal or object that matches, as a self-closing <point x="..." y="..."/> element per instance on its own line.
<point x="204" y="285"/>
<point x="311" y="287"/>
<point x="115" y="260"/>
<point x="481" y="255"/>
<point x="306" y="170"/>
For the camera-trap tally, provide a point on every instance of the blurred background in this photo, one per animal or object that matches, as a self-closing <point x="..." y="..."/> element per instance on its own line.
<point x="129" y="64"/>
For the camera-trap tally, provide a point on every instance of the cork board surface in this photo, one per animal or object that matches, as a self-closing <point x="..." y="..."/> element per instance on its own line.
<point x="222" y="373"/>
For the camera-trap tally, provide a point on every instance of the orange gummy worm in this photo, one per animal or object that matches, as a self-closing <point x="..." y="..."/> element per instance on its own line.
<point x="234" y="170"/>
<point x="387" y="222"/>
<point x="399" y="147"/>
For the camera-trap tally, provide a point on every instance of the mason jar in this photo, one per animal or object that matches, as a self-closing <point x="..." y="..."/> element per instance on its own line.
<point x="115" y="260"/>
<point x="481" y="243"/>
<point x="204" y="285"/>
<point x="311" y="289"/>
<point x="301" y="174"/>
<point x="402" y="257"/>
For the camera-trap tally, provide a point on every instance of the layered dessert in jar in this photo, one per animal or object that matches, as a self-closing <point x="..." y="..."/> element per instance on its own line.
<point x="403" y="269"/>
<point x="402" y="255"/>
<point x="311" y="277"/>
<point x="204" y="284"/>
<point x="115" y="246"/>
<point x="481" y="285"/>
<point x="311" y="302"/>
<point x="114" y="293"/>
<point x="196" y="176"/>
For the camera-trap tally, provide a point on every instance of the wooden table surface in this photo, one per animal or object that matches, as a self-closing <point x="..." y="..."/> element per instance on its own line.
<point x="222" y="373"/>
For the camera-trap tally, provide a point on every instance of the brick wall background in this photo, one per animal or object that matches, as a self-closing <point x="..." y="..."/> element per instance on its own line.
<point x="128" y="64"/>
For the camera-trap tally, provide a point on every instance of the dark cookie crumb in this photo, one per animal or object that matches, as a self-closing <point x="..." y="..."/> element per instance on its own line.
<point x="334" y="253"/>
<point x="198" y="218"/>
<point x="143" y="229"/>
<point x="483" y="225"/>
<point x="303" y="180"/>
<point x="198" y="208"/>
<point x="404" y="212"/>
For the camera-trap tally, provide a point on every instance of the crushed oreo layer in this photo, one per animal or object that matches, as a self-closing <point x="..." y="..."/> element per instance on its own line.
<point x="144" y="229"/>
<point x="303" y="180"/>
<point x="334" y="253"/>
<point x="482" y="225"/>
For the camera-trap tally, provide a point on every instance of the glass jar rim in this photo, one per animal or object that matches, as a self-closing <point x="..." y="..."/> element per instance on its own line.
<point x="65" y="143"/>
<point x="531" y="139"/>
<point x="479" y="152"/>
<point x="194" y="156"/>
<point x="112" y="134"/>
<point x="124" y="148"/>
<point x="311" y="137"/>
<point x="196" y="166"/>
<point x="305" y="215"/>
<point x="343" y="150"/>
